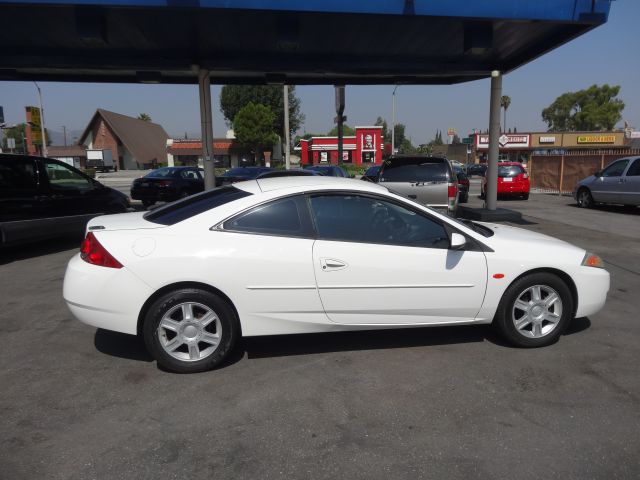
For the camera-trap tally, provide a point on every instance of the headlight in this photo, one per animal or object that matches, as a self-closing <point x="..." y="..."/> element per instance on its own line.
<point x="592" y="260"/>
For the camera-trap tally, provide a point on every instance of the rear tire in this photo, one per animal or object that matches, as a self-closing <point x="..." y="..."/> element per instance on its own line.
<point x="584" y="198"/>
<point x="190" y="330"/>
<point x="525" y="196"/>
<point x="534" y="310"/>
<point x="148" y="203"/>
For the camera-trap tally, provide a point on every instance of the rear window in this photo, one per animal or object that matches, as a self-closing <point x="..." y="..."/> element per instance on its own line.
<point x="509" y="170"/>
<point x="195" y="205"/>
<point x="414" y="170"/>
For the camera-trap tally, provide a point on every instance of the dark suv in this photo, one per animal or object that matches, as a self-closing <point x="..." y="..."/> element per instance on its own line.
<point x="428" y="180"/>
<point x="43" y="198"/>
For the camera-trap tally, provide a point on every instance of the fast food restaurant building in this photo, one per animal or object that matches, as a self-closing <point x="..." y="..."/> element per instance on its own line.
<point x="365" y="147"/>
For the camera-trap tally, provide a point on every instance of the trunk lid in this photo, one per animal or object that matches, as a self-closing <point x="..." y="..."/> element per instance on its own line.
<point x="121" y="221"/>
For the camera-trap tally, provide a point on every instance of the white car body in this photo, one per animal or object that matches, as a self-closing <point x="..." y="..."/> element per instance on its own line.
<point x="278" y="284"/>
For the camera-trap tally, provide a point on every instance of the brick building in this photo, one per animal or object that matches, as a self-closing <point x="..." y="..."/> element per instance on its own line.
<point x="365" y="147"/>
<point x="134" y="144"/>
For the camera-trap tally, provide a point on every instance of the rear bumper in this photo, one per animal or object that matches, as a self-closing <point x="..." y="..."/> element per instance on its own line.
<point x="103" y="297"/>
<point x="513" y="188"/>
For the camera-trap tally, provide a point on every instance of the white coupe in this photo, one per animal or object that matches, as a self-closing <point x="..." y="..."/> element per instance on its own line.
<point x="314" y="254"/>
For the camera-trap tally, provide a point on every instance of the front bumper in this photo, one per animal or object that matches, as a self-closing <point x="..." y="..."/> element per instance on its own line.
<point x="592" y="285"/>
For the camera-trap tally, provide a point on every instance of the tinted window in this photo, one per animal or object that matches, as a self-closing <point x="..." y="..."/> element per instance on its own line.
<point x="17" y="174"/>
<point x="63" y="177"/>
<point x="246" y="172"/>
<point x="414" y="170"/>
<point x="355" y="218"/>
<point x="162" y="173"/>
<point x="615" y="169"/>
<point x="634" y="169"/>
<point x="509" y="170"/>
<point x="189" y="174"/>
<point x="175" y="212"/>
<point x="281" y="217"/>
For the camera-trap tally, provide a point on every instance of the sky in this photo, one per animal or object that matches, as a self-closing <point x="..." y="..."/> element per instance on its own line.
<point x="608" y="54"/>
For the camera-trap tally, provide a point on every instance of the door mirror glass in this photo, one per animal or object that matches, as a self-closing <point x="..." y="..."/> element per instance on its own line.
<point x="458" y="241"/>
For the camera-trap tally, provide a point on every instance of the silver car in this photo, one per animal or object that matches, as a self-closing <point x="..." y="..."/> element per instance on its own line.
<point x="618" y="183"/>
<point x="428" y="180"/>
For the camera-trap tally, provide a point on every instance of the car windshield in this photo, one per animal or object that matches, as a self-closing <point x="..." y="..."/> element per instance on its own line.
<point x="175" y="212"/>
<point x="162" y="173"/>
<point x="414" y="170"/>
<point x="372" y="171"/>
<point x="509" y="170"/>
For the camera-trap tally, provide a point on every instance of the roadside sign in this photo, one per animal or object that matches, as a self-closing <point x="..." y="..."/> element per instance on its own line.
<point x="33" y="120"/>
<point x="467" y="140"/>
<point x="11" y="143"/>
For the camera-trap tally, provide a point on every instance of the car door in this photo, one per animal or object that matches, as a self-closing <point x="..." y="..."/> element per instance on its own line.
<point x="194" y="183"/>
<point x="70" y="192"/>
<point x="23" y="205"/>
<point x="381" y="262"/>
<point x="272" y="268"/>
<point x="607" y="187"/>
<point x="631" y="182"/>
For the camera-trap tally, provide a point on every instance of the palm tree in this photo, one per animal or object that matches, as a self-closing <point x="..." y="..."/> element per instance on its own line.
<point x="144" y="116"/>
<point x="505" y="101"/>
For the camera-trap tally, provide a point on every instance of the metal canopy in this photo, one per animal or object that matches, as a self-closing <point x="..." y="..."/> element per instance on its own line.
<point x="284" y="41"/>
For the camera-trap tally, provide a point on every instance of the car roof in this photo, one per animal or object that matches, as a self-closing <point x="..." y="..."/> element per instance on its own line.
<point x="312" y="182"/>
<point x="510" y="164"/>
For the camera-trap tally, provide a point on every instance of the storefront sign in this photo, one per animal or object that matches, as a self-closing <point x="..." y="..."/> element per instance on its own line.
<point x="596" y="139"/>
<point x="547" y="140"/>
<point x="506" y="141"/>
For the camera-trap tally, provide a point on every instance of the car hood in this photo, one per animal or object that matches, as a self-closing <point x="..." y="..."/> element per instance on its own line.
<point x="524" y="241"/>
<point x="121" y="221"/>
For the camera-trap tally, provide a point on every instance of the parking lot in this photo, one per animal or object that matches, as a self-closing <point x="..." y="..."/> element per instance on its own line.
<point x="82" y="403"/>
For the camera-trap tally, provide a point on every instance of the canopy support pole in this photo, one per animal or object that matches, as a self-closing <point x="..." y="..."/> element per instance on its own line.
<point x="491" y="193"/>
<point x="204" y="88"/>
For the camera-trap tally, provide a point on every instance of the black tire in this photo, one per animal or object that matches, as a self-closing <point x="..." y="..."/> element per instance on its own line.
<point x="504" y="321"/>
<point x="227" y="323"/>
<point x="148" y="203"/>
<point x="525" y="196"/>
<point x="464" y="199"/>
<point x="584" y="198"/>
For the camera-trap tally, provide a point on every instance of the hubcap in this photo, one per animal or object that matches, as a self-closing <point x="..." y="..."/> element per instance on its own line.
<point x="190" y="331"/>
<point x="537" y="311"/>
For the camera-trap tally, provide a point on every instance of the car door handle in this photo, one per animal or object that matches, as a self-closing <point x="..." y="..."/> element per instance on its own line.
<point x="332" y="264"/>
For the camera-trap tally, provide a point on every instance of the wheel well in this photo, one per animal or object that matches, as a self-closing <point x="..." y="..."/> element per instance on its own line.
<point x="176" y="286"/>
<point x="563" y="276"/>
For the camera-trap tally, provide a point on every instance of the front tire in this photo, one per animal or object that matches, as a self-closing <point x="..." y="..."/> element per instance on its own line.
<point x="190" y="330"/>
<point x="534" y="311"/>
<point x="585" y="200"/>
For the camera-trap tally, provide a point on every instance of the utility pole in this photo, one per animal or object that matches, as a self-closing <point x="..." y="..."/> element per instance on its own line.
<point x="64" y="131"/>
<point x="393" y="121"/>
<point x="340" y="118"/>
<point x="287" y="133"/>
<point x="42" y="129"/>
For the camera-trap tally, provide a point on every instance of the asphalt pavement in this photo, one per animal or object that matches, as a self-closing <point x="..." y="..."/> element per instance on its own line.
<point x="433" y="403"/>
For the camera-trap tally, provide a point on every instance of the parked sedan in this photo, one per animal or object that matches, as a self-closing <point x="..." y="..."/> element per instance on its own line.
<point x="42" y="198"/>
<point x="618" y="183"/>
<point x="476" y="169"/>
<point x="513" y="181"/>
<point x="293" y="255"/>
<point x="240" y="174"/>
<point x="167" y="184"/>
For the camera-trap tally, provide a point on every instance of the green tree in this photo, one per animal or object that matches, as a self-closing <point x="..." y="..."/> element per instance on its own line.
<point x="595" y="108"/>
<point x="505" y="102"/>
<point x="346" y="131"/>
<point x="145" y="117"/>
<point x="386" y="134"/>
<point x="254" y="127"/>
<point x="234" y="97"/>
<point x="18" y="133"/>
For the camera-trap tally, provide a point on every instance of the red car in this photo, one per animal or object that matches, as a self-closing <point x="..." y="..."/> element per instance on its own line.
<point x="513" y="180"/>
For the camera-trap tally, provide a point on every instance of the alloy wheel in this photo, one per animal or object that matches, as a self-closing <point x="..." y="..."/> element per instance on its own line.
<point x="537" y="311"/>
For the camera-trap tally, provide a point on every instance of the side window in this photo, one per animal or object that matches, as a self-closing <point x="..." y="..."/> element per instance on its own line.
<point x="286" y="217"/>
<point x="634" y="169"/>
<point x="189" y="174"/>
<point x="61" y="176"/>
<point x="355" y="218"/>
<point x="615" y="169"/>
<point x="17" y="174"/>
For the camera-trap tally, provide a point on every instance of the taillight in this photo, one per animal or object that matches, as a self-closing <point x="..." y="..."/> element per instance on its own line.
<point x="525" y="175"/>
<point x="92" y="251"/>
<point x="452" y="191"/>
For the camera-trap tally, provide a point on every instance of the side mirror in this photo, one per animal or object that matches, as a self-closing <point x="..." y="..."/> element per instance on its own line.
<point x="458" y="241"/>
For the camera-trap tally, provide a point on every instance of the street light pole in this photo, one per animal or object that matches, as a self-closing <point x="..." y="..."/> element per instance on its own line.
<point x="287" y="133"/>
<point x="42" y="129"/>
<point x="393" y="121"/>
